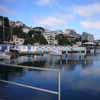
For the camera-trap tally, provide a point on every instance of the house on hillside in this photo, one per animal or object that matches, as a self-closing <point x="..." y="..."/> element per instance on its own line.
<point x="17" y="41"/>
<point x="71" y="34"/>
<point x="50" y="36"/>
<point x="26" y="29"/>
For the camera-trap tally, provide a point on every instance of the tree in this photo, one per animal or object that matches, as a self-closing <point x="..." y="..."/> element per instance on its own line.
<point x="36" y="38"/>
<point x="5" y="34"/>
<point x="39" y="30"/>
<point x="17" y="31"/>
<point x="63" y="41"/>
<point x="31" y="32"/>
<point x="40" y="39"/>
<point x="1" y="29"/>
<point x="59" y="36"/>
<point x="29" y="40"/>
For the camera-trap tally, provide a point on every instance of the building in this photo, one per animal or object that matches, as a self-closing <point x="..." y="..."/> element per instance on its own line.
<point x="71" y="34"/>
<point x="87" y="37"/>
<point x="17" y="41"/>
<point x="19" y="23"/>
<point x="69" y="37"/>
<point x="97" y="42"/>
<point x="51" y="37"/>
<point x="68" y="34"/>
<point x="90" y="47"/>
<point x="16" y="24"/>
<point x="26" y="29"/>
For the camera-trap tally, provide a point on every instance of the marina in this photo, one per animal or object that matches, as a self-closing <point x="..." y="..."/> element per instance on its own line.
<point x="67" y="51"/>
<point x="42" y="56"/>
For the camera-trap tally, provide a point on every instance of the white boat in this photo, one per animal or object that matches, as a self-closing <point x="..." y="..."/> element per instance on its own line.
<point x="4" y="55"/>
<point x="76" y="53"/>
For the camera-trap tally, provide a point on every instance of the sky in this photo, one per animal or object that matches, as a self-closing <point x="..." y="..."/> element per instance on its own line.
<point x="80" y="15"/>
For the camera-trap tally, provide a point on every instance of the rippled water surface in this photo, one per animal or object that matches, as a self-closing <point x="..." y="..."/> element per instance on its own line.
<point x="80" y="80"/>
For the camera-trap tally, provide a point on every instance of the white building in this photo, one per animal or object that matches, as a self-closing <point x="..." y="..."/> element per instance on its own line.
<point x="50" y="37"/>
<point x="26" y="29"/>
<point x="19" y="23"/>
<point x="87" y="37"/>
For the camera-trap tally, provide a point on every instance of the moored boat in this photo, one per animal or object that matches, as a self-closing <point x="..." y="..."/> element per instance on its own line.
<point x="4" y="55"/>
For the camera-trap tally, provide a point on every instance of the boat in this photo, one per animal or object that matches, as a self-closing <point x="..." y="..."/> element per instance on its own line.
<point x="4" y="55"/>
<point x="76" y="53"/>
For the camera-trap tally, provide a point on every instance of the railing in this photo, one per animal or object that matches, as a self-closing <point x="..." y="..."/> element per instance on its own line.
<point x="36" y="88"/>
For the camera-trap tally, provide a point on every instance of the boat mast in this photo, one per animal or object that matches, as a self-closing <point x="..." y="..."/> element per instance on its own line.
<point x="11" y="33"/>
<point x="3" y="30"/>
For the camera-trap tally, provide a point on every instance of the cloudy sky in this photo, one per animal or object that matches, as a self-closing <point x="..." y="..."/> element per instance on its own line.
<point x="81" y="15"/>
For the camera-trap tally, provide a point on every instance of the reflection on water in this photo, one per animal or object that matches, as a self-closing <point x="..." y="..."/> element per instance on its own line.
<point x="80" y="79"/>
<point x="7" y="72"/>
<point x="49" y="61"/>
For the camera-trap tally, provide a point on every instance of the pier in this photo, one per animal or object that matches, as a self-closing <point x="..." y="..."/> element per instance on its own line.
<point x="69" y="51"/>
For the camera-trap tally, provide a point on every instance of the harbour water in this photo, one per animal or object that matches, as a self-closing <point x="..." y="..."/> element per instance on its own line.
<point x="80" y="79"/>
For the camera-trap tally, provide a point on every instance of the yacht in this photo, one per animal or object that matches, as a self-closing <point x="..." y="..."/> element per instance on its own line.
<point x="4" y="55"/>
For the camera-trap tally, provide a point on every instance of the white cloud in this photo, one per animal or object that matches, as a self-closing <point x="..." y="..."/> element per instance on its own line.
<point x="91" y="24"/>
<point x="45" y="2"/>
<point x="4" y="10"/>
<point x="53" y="21"/>
<point x="88" y="10"/>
